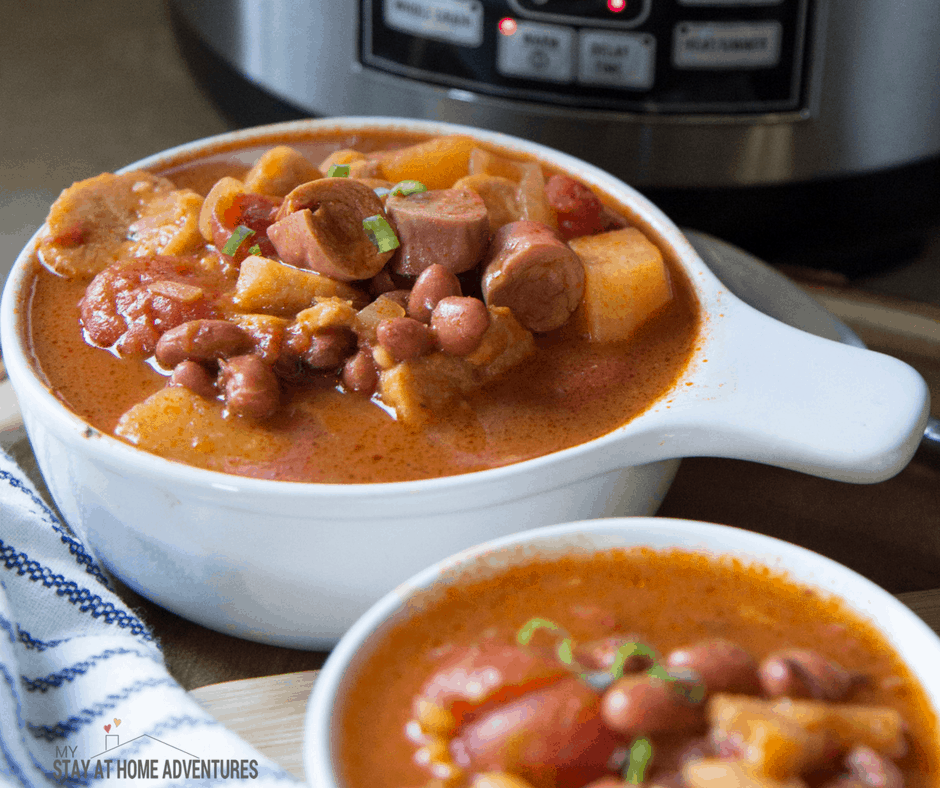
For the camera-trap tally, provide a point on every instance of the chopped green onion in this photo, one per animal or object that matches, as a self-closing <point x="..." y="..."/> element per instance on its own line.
<point x="530" y="627"/>
<point x="404" y="188"/>
<point x="641" y="752"/>
<point x="381" y="191"/>
<point x="380" y="232"/>
<point x="236" y="238"/>
<point x="628" y="650"/>
<point x="338" y="171"/>
<point x="566" y="651"/>
<point x="254" y="249"/>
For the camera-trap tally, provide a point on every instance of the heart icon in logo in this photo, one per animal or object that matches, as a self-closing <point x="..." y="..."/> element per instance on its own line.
<point x="107" y="728"/>
<point x="116" y="722"/>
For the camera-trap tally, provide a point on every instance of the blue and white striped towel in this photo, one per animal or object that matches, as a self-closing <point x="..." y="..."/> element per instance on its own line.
<point x="85" y="698"/>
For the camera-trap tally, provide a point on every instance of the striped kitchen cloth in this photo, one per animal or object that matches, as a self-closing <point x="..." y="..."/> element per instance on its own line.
<point x="85" y="698"/>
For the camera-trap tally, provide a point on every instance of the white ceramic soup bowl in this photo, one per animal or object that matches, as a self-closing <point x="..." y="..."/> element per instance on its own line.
<point x="296" y="564"/>
<point x="913" y="641"/>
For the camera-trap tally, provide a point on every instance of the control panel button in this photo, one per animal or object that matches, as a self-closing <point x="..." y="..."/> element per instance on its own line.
<point x="623" y="60"/>
<point x="727" y="44"/>
<point x="536" y="51"/>
<point x="453" y="21"/>
<point x="611" y="13"/>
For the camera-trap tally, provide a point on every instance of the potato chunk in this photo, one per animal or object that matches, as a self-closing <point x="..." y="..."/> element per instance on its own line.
<point x="714" y="773"/>
<point x="421" y="387"/>
<point x="279" y="171"/>
<point x="272" y="288"/>
<point x="180" y="425"/>
<point x="626" y="282"/>
<point x="782" y="738"/>
<point x="437" y="162"/>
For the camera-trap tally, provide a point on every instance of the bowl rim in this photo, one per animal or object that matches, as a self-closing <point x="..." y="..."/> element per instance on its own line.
<point x="919" y="649"/>
<point x="109" y="449"/>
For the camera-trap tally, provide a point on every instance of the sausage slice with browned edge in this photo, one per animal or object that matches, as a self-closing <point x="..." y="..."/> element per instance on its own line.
<point x="449" y="227"/>
<point x="320" y="227"/>
<point x="533" y="272"/>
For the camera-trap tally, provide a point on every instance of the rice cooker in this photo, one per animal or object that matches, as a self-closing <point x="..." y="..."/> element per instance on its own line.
<point x="776" y="123"/>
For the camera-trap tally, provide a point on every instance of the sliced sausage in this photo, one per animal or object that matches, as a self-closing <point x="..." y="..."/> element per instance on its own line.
<point x="201" y="340"/>
<point x="249" y="386"/>
<point x="479" y="677"/>
<point x="434" y="283"/>
<point x="459" y="323"/>
<point x="724" y="666"/>
<point x="554" y="736"/>
<point x="533" y="272"/>
<point x="445" y="226"/>
<point x="320" y="227"/>
<point x="803" y="673"/>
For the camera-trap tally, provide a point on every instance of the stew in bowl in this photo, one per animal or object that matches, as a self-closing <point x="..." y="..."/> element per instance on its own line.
<point x="355" y="308"/>
<point x="630" y="652"/>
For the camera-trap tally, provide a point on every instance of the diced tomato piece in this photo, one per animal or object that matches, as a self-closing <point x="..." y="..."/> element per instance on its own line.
<point x="479" y="677"/>
<point x="256" y="212"/>
<point x="577" y="208"/>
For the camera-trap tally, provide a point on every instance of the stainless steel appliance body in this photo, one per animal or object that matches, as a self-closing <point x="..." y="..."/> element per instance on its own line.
<point x="665" y="93"/>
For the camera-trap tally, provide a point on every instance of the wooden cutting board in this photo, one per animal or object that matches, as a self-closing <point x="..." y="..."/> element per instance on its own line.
<point x="269" y="712"/>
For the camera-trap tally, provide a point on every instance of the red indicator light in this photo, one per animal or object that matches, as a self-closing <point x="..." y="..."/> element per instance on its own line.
<point x="616" y="5"/>
<point x="507" y="25"/>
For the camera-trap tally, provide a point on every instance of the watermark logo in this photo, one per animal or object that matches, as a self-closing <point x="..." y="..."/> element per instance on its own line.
<point x="116" y="761"/>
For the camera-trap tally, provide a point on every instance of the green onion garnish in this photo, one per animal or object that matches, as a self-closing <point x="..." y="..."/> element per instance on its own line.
<point x="404" y="188"/>
<point x="641" y="752"/>
<point x="566" y="651"/>
<point x="338" y="171"/>
<point x="628" y="650"/>
<point x="530" y="627"/>
<point x="380" y="232"/>
<point x="236" y="238"/>
<point x="381" y="191"/>
<point x="254" y="249"/>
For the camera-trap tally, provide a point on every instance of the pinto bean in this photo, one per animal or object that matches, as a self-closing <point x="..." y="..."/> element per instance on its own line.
<point x="360" y="373"/>
<point x="459" y="324"/>
<point x="201" y="340"/>
<point x="645" y="704"/>
<point x="802" y="673"/>
<point x="601" y="654"/>
<point x="329" y="348"/>
<point x="249" y="386"/>
<point x="724" y="666"/>
<point x="434" y="283"/>
<point x="404" y="338"/>
<point x="873" y="770"/>
<point x="554" y="736"/>
<point x="537" y="275"/>
<point x="195" y="377"/>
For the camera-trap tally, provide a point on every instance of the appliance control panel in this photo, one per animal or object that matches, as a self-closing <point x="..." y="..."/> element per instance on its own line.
<point x="664" y="57"/>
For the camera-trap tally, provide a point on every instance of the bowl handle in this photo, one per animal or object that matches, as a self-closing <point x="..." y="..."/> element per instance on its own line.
<point x="777" y="395"/>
